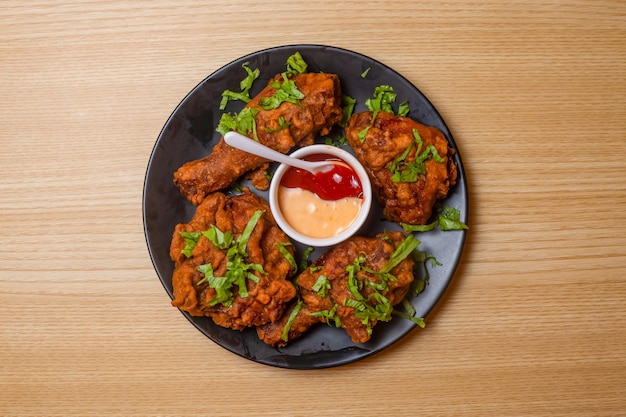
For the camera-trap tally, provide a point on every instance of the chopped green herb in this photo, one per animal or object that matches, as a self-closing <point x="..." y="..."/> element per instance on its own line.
<point x="417" y="320"/>
<point x="295" y="65"/>
<point x="377" y="307"/>
<point x="242" y="240"/>
<point x="218" y="238"/>
<point x="403" y="251"/>
<point x="292" y="317"/>
<point x="282" y="248"/>
<point x="364" y="73"/>
<point x="328" y="316"/>
<point x="361" y="135"/>
<point x="368" y="313"/>
<point x="191" y="240"/>
<point x="419" y="227"/>
<point x="403" y="108"/>
<point x="433" y="261"/>
<point x="419" y="285"/>
<point x="207" y="270"/>
<point x="347" y="108"/>
<point x="404" y="169"/>
<point x="449" y="219"/>
<point x="321" y="286"/>
<point x="340" y="140"/>
<point x="304" y="262"/>
<point x="381" y="100"/>
<point x="355" y="285"/>
<point x="287" y="91"/>
<point x="245" y="85"/>
<point x="237" y="270"/>
<point x="408" y="307"/>
<point x="243" y="122"/>
<point x="282" y="125"/>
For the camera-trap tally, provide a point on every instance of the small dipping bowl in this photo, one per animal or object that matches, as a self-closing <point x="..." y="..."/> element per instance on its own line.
<point x="357" y="223"/>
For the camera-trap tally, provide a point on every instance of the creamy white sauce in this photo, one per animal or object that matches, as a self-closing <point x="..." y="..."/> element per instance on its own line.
<point x="315" y="217"/>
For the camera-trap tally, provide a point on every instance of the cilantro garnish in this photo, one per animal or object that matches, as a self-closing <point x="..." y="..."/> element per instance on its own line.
<point x="347" y="108"/>
<point x="449" y="219"/>
<point x="282" y="125"/>
<point x="361" y="135"/>
<point x="191" y="239"/>
<point x="237" y="270"/>
<point x="287" y="91"/>
<point x="405" y="170"/>
<point x="218" y="238"/>
<point x="295" y="65"/>
<point x="380" y="101"/>
<point x="245" y="85"/>
<point x="340" y="140"/>
<point x="243" y="122"/>
<point x="403" y="108"/>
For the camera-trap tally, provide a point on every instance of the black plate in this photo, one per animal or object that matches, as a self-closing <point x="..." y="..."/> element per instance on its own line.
<point x="190" y="134"/>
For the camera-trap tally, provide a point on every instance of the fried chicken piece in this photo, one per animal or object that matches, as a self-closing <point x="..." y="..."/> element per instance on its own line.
<point x="356" y="301"/>
<point x="266" y="299"/>
<point x="386" y="141"/>
<point x="316" y="113"/>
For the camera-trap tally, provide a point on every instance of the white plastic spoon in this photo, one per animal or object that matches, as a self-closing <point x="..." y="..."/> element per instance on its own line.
<point x="244" y="143"/>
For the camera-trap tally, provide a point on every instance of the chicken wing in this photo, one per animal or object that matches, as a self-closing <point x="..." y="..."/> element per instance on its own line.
<point x="410" y="165"/>
<point x="229" y="264"/>
<point x="353" y="286"/>
<point x="280" y="128"/>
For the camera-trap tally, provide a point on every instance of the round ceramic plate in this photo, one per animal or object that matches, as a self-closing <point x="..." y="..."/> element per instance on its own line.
<point x="189" y="134"/>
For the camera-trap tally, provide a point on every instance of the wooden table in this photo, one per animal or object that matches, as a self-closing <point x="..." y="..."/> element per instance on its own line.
<point x="533" y="323"/>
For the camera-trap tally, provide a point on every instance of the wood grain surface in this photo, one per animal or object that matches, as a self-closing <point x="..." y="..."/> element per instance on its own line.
<point x="534" y="93"/>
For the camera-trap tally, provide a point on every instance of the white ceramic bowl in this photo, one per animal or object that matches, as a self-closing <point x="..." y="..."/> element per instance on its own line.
<point x="350" y="230"/>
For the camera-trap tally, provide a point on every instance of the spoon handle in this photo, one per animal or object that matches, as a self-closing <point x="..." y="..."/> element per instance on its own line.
<point x="244" y="143"/>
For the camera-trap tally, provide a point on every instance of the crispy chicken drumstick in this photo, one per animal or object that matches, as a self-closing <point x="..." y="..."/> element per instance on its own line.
<point x="280" y="128"/>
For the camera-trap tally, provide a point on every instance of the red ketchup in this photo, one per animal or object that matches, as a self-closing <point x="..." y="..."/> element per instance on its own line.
<point x="339" y="182"/>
